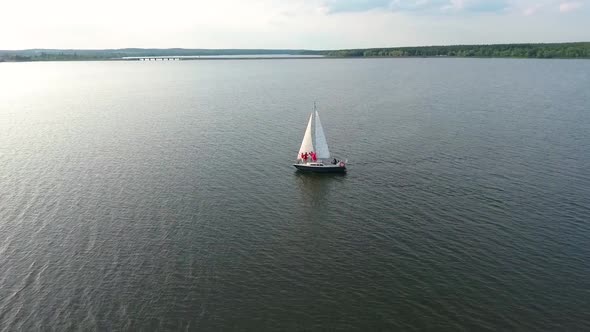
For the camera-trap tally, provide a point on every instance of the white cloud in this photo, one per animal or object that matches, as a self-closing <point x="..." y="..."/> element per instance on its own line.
<point x="314" y="24"/>
<point x="532" y="10"/>
<point x="565" y="7"/>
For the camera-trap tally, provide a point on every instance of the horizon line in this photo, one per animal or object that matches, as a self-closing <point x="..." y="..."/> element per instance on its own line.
<point x="288" y="49"/>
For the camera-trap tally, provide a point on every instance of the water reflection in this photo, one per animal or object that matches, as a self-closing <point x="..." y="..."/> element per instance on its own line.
<point x="316" y="188"/>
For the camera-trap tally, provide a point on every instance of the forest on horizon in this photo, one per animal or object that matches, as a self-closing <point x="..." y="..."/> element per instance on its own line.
<point x="547" y="50"/>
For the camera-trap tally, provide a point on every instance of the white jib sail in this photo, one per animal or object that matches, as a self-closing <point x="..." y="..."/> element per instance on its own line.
<point x="307" y="143"/>
<point x="321" y="146"/>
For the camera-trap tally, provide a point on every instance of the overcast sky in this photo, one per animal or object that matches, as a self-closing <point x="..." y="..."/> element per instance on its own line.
<point x="310" y="24"/>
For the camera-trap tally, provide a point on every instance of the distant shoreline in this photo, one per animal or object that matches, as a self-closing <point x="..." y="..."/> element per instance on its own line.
<point x="299" y="58"/>
<point x="352" y="58"/>
<point x="577" y="50"/>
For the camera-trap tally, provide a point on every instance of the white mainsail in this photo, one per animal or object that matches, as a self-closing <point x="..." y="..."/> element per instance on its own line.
<point x="321" y="145"/>
<point x="307" y="143"/>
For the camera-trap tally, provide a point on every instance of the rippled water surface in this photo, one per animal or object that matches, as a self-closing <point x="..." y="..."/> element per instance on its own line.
<point x="144" y="195"/>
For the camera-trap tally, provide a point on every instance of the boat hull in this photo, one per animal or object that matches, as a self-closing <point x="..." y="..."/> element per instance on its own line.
<point x="320" y="169"/>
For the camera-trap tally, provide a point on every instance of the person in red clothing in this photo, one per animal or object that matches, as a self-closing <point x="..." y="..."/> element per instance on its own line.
<point x="305" y="156"/>
<point x="313" y="156"/>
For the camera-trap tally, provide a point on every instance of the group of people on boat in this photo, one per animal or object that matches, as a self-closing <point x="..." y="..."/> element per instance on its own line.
<point x="311" y="155"/>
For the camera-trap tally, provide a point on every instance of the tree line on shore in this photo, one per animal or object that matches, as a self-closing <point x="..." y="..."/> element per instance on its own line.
<point x="118" y="54"/>
<point x="555" y="50"/>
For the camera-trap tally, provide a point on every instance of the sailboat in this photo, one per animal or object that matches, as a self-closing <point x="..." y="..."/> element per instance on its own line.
<point x="314" y="154"/>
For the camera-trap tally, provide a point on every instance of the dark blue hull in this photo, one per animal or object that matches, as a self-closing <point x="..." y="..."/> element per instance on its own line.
<point x="320" y="169"/>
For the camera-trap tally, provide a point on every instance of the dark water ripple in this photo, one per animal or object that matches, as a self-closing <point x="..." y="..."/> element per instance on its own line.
<point x="140" y="196"/>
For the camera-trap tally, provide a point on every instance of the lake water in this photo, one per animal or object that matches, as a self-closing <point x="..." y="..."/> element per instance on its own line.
<point x="160" y="195"/>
